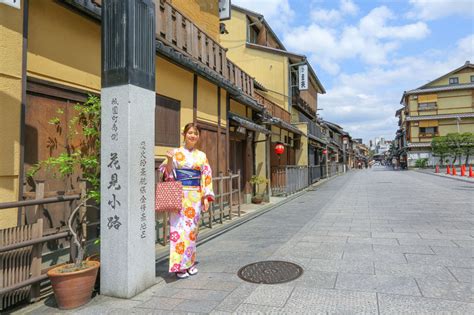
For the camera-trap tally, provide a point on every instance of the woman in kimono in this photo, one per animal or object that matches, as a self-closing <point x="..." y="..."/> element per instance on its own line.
<point x="190" y="166"/>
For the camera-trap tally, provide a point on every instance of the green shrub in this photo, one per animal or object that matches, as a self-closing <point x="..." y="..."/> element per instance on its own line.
<point x="421" y="163"/>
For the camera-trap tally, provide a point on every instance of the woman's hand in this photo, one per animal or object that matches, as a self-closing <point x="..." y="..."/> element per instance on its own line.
<point x="169" y="165"/>
<point x="205" y="204"/>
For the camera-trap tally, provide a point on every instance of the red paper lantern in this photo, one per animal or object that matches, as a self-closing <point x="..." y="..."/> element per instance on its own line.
<point x="325" y="151"/>
<point x="279" y="149"/>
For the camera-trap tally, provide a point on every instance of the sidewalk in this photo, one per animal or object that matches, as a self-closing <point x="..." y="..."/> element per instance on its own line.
<point x="248" y="213"/>
<point x="442" y="173"/>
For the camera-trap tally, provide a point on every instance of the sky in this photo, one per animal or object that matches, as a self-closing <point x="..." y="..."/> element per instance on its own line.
<point x="367" y="52"/>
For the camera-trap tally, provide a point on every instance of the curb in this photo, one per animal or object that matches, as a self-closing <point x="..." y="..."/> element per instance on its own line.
<point x="459" y="179"/>
<point x="209" y="235"/>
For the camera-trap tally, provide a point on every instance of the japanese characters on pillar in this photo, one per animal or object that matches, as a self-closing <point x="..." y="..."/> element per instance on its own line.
<point x="113" y="186"/>
<point x="142" y="184"/>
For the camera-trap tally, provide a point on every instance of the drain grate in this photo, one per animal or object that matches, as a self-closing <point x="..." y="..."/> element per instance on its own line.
<point x="270" y="272"/>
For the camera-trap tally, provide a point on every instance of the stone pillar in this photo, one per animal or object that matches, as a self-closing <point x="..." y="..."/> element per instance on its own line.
<point x="127" y="249"/>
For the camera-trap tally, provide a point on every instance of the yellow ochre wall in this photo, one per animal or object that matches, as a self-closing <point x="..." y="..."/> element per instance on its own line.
<point x="63" y="46"/>
<point x="268" y="68"/>
<point x="204" y="13"/>
<point x="450" y="102"/>
<point x="302" y="153"/>
<point x="11" y="51"/>
<point x="463" y="75"/>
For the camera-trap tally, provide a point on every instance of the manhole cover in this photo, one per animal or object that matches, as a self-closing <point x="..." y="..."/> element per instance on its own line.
<point x="270" y="272"/>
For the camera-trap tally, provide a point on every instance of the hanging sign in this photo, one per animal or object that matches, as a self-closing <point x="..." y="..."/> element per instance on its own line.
<point x="224" y="10"/>
<point x="303" y="77"/>
<point x="12" y="3"/>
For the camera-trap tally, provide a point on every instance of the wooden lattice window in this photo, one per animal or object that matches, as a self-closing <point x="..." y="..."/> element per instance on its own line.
<point x="167" y="121"/>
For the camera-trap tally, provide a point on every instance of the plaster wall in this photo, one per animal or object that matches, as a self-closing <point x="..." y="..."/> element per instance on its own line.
<point x="11" y="51"/>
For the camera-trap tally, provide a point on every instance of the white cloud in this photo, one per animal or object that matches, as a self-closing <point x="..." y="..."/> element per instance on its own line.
<point x="374" y="24"/>
<point x="434" y="9"/>
<point x="371" y="40"/>
<point x="333" y="16"/>
<point x="323" y="16"/>
<point x="364" y="103"/>
<point x="278" y="13"/>
<point x="348" y="7"/>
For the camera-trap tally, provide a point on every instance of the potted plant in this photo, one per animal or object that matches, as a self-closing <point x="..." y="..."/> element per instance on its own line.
<point x="257" y="181"/>
<point x="74" y="282"/>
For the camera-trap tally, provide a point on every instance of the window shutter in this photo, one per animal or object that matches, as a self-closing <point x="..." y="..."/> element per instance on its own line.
<point x="428" y="98"/>
<point x="167" y="121"/>
<point x="429" y="123"/>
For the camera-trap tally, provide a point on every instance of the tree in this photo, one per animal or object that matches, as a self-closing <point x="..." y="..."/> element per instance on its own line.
<point x="455" y="143"/>
<point x="467" y="147"/>
<point x="440" y="148"/>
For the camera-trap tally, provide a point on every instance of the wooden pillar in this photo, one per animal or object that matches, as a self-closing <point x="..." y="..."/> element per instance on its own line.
<point x="218" y="127"/>
<point x="195" y="91"/>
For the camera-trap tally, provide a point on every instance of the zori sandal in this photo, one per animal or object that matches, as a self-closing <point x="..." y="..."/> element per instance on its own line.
<point x="193" y="270"/>
<point x="182" y="275"/>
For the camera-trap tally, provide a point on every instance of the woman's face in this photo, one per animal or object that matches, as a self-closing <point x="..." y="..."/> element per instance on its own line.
<point x="191" y="137"/>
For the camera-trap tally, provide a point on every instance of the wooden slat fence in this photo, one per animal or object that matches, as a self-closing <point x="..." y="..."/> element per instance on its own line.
<point x="225" y="206"/>
<point x="21" y="247"/>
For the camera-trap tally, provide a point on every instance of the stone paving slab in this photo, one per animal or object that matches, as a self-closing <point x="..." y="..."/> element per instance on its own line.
<point x="438" y="260"/>
<point x="304" y="300"/>
<point x="268" y="295"/>
<point x="416" y="271"/>
<point x="463" y="274"/>
<point x="457" y="291"/>
<point x="370" y="242"/>
<point x="377" y="283"/>
<point x="402" y="304"/>
<point x="341" y="266"/>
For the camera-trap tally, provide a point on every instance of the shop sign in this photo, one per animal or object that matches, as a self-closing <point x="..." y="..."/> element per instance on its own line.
<point x="224" y="10"/>
<point x="12" y="3"/>
<point x="303" y="77"/>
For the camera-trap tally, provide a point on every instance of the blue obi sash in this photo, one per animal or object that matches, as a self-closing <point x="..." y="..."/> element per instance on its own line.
<point x="188" y="176"/>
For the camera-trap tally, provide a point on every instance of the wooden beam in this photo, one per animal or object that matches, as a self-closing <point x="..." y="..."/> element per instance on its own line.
<point x="195" y="91"/>
<point x="218" y="126"/>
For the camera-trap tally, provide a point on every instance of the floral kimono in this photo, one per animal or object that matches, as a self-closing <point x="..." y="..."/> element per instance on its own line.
<point x="184" y="225"/>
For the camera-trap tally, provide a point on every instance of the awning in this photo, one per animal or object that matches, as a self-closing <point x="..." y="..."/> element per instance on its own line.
<point x="283" y="124"/>
<point x="245" y="122"/>
<point x="310" y="136"/>
<point x="442" y="116"/>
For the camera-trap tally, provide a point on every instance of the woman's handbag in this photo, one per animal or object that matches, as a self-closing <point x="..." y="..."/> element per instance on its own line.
<point x="169" y="196"/>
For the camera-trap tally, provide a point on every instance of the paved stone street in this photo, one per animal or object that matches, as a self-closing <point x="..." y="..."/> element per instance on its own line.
<point x="372" y="241"/>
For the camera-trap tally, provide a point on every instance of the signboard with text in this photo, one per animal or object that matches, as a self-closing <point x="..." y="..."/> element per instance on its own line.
<point x="224" y="10"/>
<point x="13" y="3"/>
<point x="303" y="77"/>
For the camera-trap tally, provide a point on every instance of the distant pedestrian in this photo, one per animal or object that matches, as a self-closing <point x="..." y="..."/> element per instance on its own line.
<point x="190" y="166"/>
<point x="395" y="163"/>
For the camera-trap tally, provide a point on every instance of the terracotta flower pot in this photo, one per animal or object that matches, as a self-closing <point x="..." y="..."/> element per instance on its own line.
<point x="73" y="289"/>
<point x="257" y="199"/>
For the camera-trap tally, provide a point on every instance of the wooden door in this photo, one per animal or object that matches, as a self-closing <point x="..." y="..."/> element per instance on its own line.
<point x="44" y="102"/>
